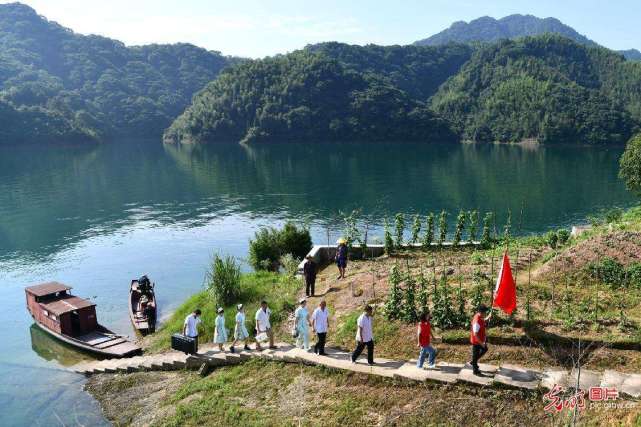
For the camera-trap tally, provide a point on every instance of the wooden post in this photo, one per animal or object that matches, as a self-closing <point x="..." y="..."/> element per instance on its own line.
<point x="529" y="282"/>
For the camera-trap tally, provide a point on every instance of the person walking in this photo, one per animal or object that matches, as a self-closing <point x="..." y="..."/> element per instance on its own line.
<point x="301" y="316"/>
<point x="364" y="336"/>
<point x="220" y="332"/>
<point x="309" y="271"/>
<point x="320" y="324"/>
<point x="478" y="337"/>
<point x="190" y="327"/>
<point x="341" y="257"/>
<point x="263" y="324"/>
<point x="424" y="337"/>
<point x="240" y="330"/>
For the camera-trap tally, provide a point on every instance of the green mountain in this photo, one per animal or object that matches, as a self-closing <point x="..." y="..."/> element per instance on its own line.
<point x="546" y="87"/>
<point x="58" y="85"/>
<point x="487" y="29"/>
<point x="325" y="92"/>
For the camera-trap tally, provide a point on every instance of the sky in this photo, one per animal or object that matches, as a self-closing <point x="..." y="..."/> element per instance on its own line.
<point x="255" y="28"/>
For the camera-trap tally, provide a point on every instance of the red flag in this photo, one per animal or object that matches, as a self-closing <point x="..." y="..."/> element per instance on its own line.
<point x="505" y="291"/>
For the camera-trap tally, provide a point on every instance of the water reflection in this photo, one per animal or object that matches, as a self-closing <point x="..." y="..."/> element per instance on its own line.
<point x="51" y="349"/>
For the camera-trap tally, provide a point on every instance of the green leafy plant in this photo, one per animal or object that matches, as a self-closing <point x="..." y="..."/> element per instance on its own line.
<point x="351" y="232"/>
<point x="486" y="236"/>
<point x="399" y="228"/>
<point x="428" y="237"/>
<point x="563" y="235"/>
<point x="473" y="217"/>
<point x="395" y="296"/>
<point x="442" y="225"/>
<point x="416" y="229"/>
<point x="552" y="239"/>
<point x="423" y="293"/>
<point x="507" y="230"/>
<point x="290" y="264"/>
<point x="608" y="271"/>
<point x="408" y="310"/>
<point x="460" y="226"/>
<point x="269" y="244"/>
<point x="223" y="280"/>
<point x="388" y="241"/>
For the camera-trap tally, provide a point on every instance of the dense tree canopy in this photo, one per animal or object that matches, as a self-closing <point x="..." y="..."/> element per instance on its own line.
<point x="308" y="95"/>
<point x="68" y="85"/>
<point x="546" y="87"/>
<point x="630" y="170"/>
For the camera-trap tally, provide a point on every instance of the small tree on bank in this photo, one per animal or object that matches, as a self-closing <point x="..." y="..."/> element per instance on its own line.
<point x="442" y="225"/>
<point x="630" y="165"/>
<point x="428" y="237"/>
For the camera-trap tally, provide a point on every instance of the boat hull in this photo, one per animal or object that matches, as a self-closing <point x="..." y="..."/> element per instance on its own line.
<point x="117" y="350"/>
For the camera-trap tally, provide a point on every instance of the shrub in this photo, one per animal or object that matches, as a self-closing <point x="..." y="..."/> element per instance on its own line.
<point x="563" y="236"/>
<point x="269" y="244"/>
<point x="223" y="280"/>
<point x="408" y="310"/>
<point x="551" y="238"/>
<point x="634" y="274"/>
<point x="289" y="264"/>
<point x="264" y="250"/>
<point x="295" y="240"/>
<point x="608" y="271"/>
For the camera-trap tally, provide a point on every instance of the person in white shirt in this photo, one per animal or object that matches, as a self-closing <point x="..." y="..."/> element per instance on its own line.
<point x="320" y="324"/>
<point x="190" y="327"/>
<point x="364" y="336"/>
<point x="263" y="325"/>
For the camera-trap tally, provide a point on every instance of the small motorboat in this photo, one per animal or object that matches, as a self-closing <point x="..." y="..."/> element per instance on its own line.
<point x="142" y="305"/>
<point x="73" y="320"/>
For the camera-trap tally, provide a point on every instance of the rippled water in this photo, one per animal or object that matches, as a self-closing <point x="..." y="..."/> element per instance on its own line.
<point x="95" y="217"/>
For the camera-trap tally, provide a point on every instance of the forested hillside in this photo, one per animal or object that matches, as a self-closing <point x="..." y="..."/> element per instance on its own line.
<point x="325" y="92"/>
<point x="58" y="85"/>
<point x="548" y="88"/>
<point x="545" y="87"/>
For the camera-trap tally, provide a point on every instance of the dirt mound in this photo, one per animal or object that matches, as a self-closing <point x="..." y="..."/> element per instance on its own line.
<point x="623" y="246"/>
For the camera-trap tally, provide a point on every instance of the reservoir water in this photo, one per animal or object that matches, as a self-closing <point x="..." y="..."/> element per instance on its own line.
<point x="94" y="217"/>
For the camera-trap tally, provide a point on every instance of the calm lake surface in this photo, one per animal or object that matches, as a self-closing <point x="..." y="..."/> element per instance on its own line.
<point x="95" y="217"/>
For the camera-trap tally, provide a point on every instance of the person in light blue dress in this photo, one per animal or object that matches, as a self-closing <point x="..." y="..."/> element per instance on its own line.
<point x="240" y="330"/>
<point x="302" y="325"/>
<point x="220" y="334"/>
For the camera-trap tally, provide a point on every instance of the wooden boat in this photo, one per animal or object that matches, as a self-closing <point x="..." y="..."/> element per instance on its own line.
<point x="73" y="320"/>
<point x="142" y="305"/>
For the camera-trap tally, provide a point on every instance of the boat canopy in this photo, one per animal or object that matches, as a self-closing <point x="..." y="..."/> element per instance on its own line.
<point x="47" y="289"/>
<point x="65" y="305"/>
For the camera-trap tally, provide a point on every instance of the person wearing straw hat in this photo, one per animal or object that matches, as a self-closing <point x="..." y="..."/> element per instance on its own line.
<point x="220" y="333"/>
<point x="309" y="271"/>
<point x="341" y="257"/>
<point x="301" y="316"/>
<point x="240" y="330"/>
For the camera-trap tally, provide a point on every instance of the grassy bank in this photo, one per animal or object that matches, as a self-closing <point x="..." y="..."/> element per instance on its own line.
<point x="262" y="393"/>
<point x="277" y="289"/>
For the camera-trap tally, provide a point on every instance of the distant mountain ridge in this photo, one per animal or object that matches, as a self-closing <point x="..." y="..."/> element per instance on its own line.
<point x="56" y="85"/>
<point x="488" y="29"/>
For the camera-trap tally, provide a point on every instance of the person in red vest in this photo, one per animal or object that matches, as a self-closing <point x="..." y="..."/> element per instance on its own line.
<point x="478" y="337"/>
<point x="424" y="338"/>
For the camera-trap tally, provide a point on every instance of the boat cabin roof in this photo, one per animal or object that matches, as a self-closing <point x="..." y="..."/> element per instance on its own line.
<point x="66" y="304"/>
<point x="47" y="288"/>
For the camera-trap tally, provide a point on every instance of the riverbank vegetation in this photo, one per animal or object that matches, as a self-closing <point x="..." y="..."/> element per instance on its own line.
<point x="272" y="248"/>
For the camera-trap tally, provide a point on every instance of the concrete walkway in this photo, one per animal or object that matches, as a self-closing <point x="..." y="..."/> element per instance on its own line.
<point x="447" y="373"/>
